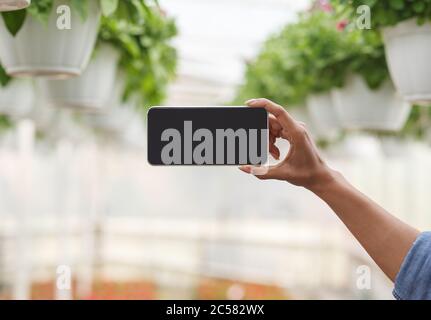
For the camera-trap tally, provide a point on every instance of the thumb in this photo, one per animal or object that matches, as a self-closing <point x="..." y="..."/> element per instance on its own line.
<point x="262" y="172"/>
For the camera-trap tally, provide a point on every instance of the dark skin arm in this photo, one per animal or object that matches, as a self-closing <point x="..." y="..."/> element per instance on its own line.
<point x="386" y="238"/>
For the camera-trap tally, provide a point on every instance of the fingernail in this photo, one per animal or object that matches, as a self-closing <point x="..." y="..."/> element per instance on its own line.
<point x="245" y="169"/>
<point x="259" y="170"/>
<point x="250" y="102"/>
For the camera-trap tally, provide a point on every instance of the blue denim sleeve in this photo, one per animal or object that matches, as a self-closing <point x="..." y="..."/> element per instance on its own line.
<point x="413" y="282"/>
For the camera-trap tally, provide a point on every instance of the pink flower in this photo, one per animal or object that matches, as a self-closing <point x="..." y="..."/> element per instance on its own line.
<point x="325" y="5"/>
<point x="341" y="25"/>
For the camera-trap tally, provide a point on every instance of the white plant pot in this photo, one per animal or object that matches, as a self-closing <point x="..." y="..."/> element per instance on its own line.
<point x="92" y="90"/>
<point x="322" y="113"/>
<point x="45" y="50"/>
<point x="114" y="121"/>
<point x="360" y="146"/>
<point x="408" y="51"/>
<point x="359" y="107"/>
<point x="301" y="113"/>
<point x="17" y="98"/>
<point x="116" y="116"/>
<point x="11" y="5"/>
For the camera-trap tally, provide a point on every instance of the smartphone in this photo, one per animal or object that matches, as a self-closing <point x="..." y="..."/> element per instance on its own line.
<point x="207" y="136"/>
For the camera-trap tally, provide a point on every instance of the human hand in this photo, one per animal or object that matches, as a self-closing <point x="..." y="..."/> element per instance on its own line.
<point x="303" y="165"/>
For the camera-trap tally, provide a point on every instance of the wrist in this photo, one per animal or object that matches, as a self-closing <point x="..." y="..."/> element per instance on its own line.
<point x="324" y="181"/>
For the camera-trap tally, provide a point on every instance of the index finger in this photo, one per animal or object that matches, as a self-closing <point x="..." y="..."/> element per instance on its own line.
<point x="278" y="111"/>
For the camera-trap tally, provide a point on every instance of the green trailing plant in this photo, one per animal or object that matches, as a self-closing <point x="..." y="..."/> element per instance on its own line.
<point x="275" y="73"/>
<point x="324" y="53"/>
<point x="148" y="60"/>
<point x="369" y="61"/>
<point x="387" y="12"/>
<point x="313" y="56"/>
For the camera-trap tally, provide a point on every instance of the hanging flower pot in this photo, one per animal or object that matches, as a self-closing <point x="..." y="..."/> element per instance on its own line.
<point x="406" y="30"/>
<point x="359" y="145"/>
<point x="114" y="121"/>
<point x="116" y="115"/>
<point x="301" y="113"/>
<point x="90" y="91"/>
<point x="17" y="98"/>
<point x="322" y="114"/>
<point x="359" y="107"/>
<point x="11" y="5"/>
<point x="408" y="51"/>
<point x="44" y="49"/>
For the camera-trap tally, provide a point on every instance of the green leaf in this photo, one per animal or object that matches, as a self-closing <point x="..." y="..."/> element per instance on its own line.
<point x="419" y="7"/>
<point x="5" y="123"/>
<point x="4" y="78"/>
<point x="397" y="4"/>
<point x="109" y="6"/>
<point x="41" y="9"/>
<point x="81" y="7"/>
<point x="14" y="20"/>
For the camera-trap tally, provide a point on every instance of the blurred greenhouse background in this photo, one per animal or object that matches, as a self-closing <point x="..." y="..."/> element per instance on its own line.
<point x="77" y="193"/>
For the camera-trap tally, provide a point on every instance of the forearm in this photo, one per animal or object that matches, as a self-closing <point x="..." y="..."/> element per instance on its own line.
<point x="386" y="239"/>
